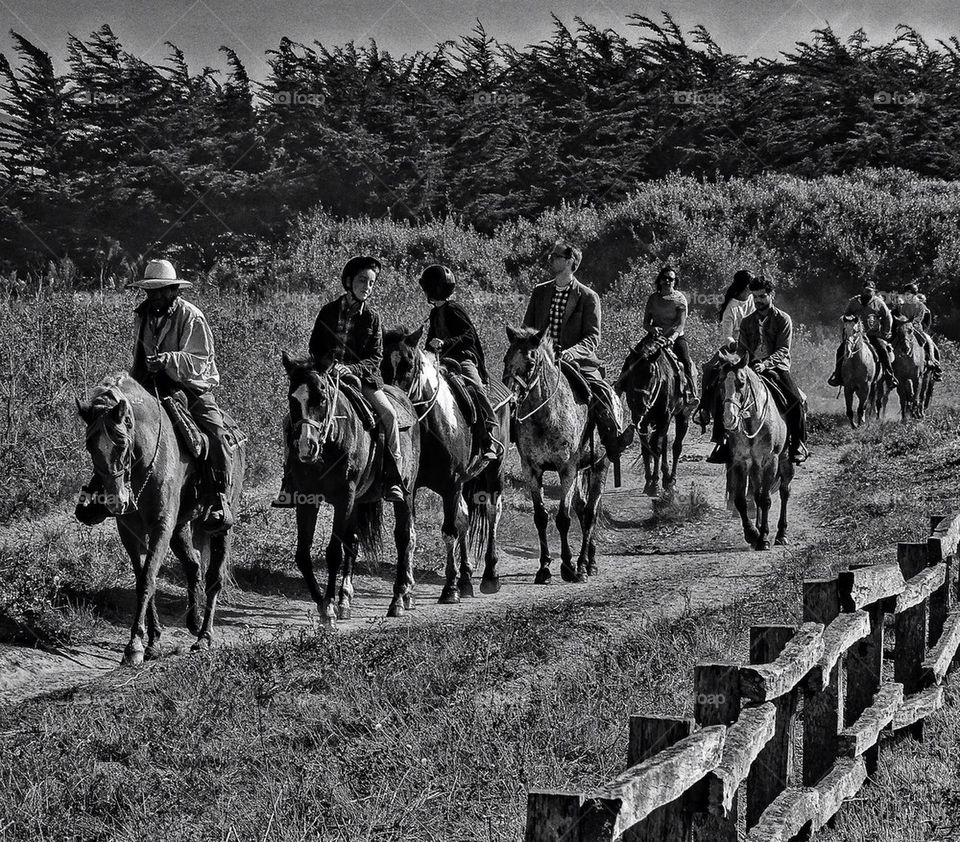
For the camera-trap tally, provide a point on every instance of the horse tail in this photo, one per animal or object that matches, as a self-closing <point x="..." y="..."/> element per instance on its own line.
<point x="370" y="529"/>
<point x="477" y="497"/>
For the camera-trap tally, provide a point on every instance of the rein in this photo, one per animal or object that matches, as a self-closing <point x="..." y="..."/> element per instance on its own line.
<point x="418" y="386"/>
<point x="331" y="402"/>
<point x="527" y="387"/>
<point x="744" y="411"/>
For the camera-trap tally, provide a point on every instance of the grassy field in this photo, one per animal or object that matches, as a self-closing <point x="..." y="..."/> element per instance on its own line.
<point x="437" y="732"/>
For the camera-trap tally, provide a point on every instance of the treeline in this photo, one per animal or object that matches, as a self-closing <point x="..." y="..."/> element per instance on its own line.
<point x="116" y="159"/>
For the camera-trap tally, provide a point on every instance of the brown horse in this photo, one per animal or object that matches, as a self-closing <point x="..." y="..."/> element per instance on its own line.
<point x="654" y="393"/>
<point x="149" y="483"/>
<point x="338" y="462"/>
<point x="553" y="435"/>
<point x="909" y="365"/>
<point x="860" y="374"/>
<point x="471" y="491"/>
<point x="757" y="435"/>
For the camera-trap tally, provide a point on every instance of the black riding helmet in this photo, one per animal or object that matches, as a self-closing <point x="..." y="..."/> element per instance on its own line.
<point x="437" y="282"/>
<point x="358" y="264"/>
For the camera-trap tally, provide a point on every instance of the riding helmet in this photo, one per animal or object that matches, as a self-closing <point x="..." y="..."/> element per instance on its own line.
<point x="358" y="264"/>
<point x="437" y="282"/>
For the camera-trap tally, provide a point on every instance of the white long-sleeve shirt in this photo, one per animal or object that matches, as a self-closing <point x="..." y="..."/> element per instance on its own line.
<point x="184" y="343"/>
<point x="733" y="314"/>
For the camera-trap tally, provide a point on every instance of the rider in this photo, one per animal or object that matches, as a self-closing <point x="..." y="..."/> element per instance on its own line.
<point x="873" y="312"/>
<point x="348" y="331"/>
<point x="916" y="311"/>
<point x="665" y="317"/>
<point x="453" y="336"/>
<point x="571" y="312"/>
<point x="765" y="339"/>
<point x="174" y="352"/>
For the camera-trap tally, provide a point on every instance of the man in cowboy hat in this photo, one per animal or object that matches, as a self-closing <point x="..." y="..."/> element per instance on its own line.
<point x="453" y="336"/>
<point x="174" y="351"/>
<point x="347" y="330"/>
<point x="570" y="311"/>
<point x="873" y="312"/>
<point x="914" y="310"/>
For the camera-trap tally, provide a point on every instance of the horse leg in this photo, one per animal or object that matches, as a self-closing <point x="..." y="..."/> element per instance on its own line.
<point x="181" y="542"/>
<point x="738" y="484"/>
<point x="568" y="478"/>
<point x="848" y="400"/>
<point x="158" y="542"/>
<point x="343" y="526"/>
<point x="450" y="531"/>
<point x="490" y="583"/>
<point x="682" y="424"/>
<point x="465" y="582"/>
<point x="588" y="512"/>
<point x="649" y="462"/>
<point x="763" y="513"/>
<point x="306" y="526"/>
<point x="405" y="537"/>
<point x="781" y="537"/>
<point x="345" y="597"/>
<point x="662" y="456"/>
<point x="219" y="546"/>
<point x="535" y="486"/>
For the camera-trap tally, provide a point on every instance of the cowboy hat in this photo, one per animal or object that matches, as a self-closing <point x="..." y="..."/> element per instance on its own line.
<point x="159" y="273"/>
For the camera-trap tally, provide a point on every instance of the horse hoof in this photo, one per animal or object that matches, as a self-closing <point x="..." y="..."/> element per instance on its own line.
<point x="582" y="577"/>
<point x="751" y="536"/>
<point x="449" y="596"/>
<point x="568" y="573"/>
<point x="132" y="655"/>
<point x="202" y="644"/>
<point x="344" y="612"/>
<point x="781" y="541"/>
<point x="543" y="576"/>
<point x="491" y="585"/>
<point x="762" y="544"/>
<point x="395" y="609"/>
<point x="465" y="586"/>
<point x="153" y="652"/>
<point x="591" y="569"/>
<point x="194" y="622"/>
<point x="408" y="602"/>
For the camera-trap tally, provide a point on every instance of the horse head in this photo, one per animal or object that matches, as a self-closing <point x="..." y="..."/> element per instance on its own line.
<point x="109" y="440"/>
<point x="529" y="353"/>
<point x="740" y="390"/>
<point x="401" y="362"/>
<point x="312" y="402"/>
<point x="642" y="382"/>
<point x="903" y="333"/>
<point x="853" y="333"/>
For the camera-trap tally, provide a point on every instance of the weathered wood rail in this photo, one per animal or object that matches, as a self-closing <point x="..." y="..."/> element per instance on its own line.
<point x="691" y="778"/>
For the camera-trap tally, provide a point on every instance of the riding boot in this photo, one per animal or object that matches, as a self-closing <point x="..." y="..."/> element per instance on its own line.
<point x="721" y="451"/>
<point x="90" y="508"/>
<point x="835" y="378"/>
<point x="491" y="448"/>
<point x="216" y="516"/>
<point x="394" y="485"/>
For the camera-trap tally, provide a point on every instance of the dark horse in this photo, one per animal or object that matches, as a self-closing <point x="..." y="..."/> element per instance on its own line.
<point x="654" y="393"/>
<point x="335" y="460"/>
<point x="554" y="434"/>
<point x="150" y="487"/>
<point x="909" y="364"/>
<point x="860" y="373"/>
<point x="471" y="491"/>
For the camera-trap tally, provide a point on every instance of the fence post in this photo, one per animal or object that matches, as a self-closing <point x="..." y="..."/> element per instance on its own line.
<point x="941" y="600"/>
<point x="553" y="816"/>
<point x="822" y="709"/>
<point x="649" y="735"/>
<point x="911" y="631"/>
<point x="772" y="771"/>
<point x="864" y="673"/>
<point x="716" y="701"/>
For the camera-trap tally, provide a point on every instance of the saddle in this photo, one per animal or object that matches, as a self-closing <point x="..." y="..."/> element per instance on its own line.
<point x="461" y="393"/>
<point x="195" y="440"/>
<point x="350" y="386"/>
<point x="582" y="393"/>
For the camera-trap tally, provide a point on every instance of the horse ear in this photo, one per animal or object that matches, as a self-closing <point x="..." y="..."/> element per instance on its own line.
<point x="512" y="333"/>
<point x="117" y="411"/>
<point x="413" y="340"/>
<point x="538" y="336"/>
<point x="83" y="409"/>
<point x="287" y="361"/>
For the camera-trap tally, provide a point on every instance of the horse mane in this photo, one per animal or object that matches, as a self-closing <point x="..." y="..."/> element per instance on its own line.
<point x="112" y="388"/>
<point x="396" y="334"/>
<point x="526" y="334"/>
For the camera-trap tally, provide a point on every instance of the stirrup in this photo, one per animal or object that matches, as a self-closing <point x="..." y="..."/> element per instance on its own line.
<point x="720" y="455"/>
<point x="217" y="517"/>
<point x="834" y="380"/>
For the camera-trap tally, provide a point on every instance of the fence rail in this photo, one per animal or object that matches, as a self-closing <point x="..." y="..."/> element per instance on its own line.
<point x="691" y="778"/>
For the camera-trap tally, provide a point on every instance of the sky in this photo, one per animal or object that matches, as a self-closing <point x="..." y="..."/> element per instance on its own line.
<point x="199" y="27"/>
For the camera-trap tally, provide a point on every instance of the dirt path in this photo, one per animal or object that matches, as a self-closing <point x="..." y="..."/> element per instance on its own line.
<point x="675" y="567"/>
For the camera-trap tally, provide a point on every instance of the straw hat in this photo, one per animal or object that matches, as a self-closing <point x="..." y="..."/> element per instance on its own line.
<point x="159" y="273"/>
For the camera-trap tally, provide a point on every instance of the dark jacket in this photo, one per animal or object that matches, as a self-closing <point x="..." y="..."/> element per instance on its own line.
<point x="359" y="348"/>
<point x="778" y="332"/>
<point x="450" y="323"/>
<point x="875" y="315"/>
<point x="580" y="332"/>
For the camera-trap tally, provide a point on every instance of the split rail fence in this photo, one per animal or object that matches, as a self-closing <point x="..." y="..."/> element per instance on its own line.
<point x="691" y="778"/>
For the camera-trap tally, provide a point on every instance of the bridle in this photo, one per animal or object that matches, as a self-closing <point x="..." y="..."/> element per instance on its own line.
<point x="416" y="385"/>
<point x="854" y="341"/>
<point x="99" y="426"/>
<point x="331" y="394"/>
<point x="527" y="386"/>
<point x="744" y="411"/>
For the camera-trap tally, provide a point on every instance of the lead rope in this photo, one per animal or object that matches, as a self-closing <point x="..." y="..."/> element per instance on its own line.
<point x="156" y="450"/>
<point x="542" y="403"/>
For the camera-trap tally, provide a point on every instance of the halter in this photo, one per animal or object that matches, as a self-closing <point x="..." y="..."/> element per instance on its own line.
<point x="527" y="386"/>
<point x="331" y="402"/>
<point x="743" y="412"/>
<point x="415" y="386"/>
<point x="852" y="343"/>
<point x="99" y="424"/>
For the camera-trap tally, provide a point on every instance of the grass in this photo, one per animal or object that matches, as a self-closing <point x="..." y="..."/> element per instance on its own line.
<point x="680" y="507"/>
<point x="436" y="732"/>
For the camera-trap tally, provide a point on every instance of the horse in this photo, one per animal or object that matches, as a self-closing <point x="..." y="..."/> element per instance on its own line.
<point x="859" y="372"/>
<point x="471" y="491"/>
<point x="757" y="437"/>
<point x="654" y="392"/>
<point x="150" y="487"/>
<point x="336" y="460"/>
<point x="554" y="433"/>
<point x="909" y="365"/>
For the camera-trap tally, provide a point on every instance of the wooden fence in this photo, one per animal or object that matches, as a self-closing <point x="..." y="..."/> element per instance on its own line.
<point x="691" y="778"/>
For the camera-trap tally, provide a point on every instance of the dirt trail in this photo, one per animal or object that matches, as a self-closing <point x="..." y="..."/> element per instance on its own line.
<point x="674" y="567"/>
